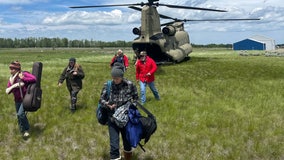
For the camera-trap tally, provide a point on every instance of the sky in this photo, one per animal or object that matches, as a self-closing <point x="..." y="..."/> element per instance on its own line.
<point x="54" y="19"/>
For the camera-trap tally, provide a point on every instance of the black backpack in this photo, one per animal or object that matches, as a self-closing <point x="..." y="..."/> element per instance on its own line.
<point x="101" y="112"/>
<point x="32" y="99"/>
<point x="149" y="125"/>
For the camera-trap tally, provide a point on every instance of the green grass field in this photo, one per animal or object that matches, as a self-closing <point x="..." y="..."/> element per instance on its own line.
<point x="217" y="106"/>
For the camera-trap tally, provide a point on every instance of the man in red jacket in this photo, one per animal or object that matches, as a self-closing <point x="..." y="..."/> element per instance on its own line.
<point x="145" y="69"/>
<point x="121" y="58"/>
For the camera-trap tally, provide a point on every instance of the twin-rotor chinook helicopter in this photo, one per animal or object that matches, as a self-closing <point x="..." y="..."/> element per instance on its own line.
<point x="169" y="44"/>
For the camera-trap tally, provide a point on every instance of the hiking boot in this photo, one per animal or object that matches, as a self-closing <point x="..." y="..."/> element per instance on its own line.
<point x="127" y="155"/>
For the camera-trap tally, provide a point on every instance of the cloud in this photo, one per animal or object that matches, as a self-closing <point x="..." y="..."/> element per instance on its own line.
<point x="84" y="17"/>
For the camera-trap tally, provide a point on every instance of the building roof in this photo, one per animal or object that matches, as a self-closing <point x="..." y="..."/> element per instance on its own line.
<point x="249" y="39"/>
<point x="260" y="38"/>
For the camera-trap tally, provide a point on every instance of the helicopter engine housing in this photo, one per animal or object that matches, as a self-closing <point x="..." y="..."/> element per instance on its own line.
<point x="169" y="30"/>
<point x="181" y="51"/>
<point x="136" y="31"/>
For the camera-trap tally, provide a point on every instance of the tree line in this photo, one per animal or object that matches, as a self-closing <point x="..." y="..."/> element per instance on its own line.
<point x="43" y="42"/>
<point x="58" y="43"/>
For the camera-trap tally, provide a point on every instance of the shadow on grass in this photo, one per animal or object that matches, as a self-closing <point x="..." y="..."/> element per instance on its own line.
<point x="201" y="59"/>
<point x="105" y="155"/>
<point x="136" y="157"/>
<point x="162" y="69"/>
<point x="82" y="106"/>
<point x="37" y="129"/>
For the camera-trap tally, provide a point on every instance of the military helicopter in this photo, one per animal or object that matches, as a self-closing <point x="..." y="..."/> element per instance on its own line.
<point x="168" y="44"/>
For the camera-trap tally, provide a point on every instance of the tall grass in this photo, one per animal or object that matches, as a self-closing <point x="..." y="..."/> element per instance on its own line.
<point x="218" y="105"/>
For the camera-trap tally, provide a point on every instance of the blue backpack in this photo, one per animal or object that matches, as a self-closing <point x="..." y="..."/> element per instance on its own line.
<point x="140" y="127"/>
<point x="134" y="126"/>
<point x="102" y="112"/>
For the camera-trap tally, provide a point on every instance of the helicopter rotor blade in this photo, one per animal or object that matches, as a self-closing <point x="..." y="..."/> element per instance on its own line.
<point x="168" y="23"/>
<point x="192" y="20"/>
<point x="135" y="8"/>
<point x="234" y="19"/>
<point x="187" y="7"/>
<point x="110" y="5"/>
<point x="166" y="17"/>
<point x="150" y="3"/>
<point x="161" y="15"/>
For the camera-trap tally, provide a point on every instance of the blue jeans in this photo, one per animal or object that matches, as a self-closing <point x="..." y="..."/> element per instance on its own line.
<point x="114" y="140"/>
<point x="151" y="85"/>
<point x="22" y="118"/>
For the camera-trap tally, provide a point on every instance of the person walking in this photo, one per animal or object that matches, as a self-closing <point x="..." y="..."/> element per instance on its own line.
<point x="17" y="84"/>
<point x="121" y="58"/>
<point x="121" y="92"/>
<point x="145" y="70"/>
<point x="73" y="73"/>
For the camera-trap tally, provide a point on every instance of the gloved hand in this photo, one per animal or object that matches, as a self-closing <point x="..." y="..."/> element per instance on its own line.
<point x="16" y="85"/>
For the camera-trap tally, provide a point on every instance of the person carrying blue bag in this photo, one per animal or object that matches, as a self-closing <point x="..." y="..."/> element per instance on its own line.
<point x="121" y="92"/>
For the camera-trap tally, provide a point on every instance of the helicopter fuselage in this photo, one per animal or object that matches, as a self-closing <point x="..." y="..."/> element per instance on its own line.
<point x="170" y="45"/>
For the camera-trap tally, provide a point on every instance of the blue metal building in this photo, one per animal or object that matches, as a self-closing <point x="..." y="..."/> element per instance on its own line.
<point x="256" y="42"/>
<point x="249" y="44"/>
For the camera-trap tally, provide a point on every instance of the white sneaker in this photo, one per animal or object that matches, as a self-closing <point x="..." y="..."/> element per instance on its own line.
<point x="26" y="134"/>
<point x="117" y="158"/>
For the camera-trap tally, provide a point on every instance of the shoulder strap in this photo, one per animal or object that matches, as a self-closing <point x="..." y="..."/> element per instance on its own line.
<point x="20" y="87"/>
<point x="141" y="146"/>
<point x="144" y="109"/>
<point x="21" y="92"/>
<point x="108" y="87"/>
